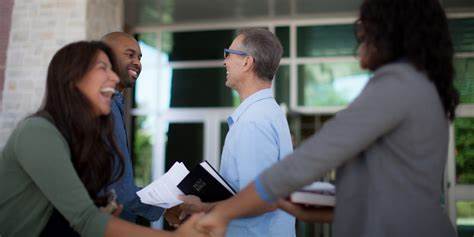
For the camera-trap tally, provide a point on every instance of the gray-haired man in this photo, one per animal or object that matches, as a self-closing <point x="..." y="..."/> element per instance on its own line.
<point x="258" y="130"/>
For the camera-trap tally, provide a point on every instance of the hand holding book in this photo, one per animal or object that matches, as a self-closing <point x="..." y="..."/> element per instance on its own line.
<point x="313" y="203"/>
<point x="307" y="213"/>
<point x="203" y="181"/>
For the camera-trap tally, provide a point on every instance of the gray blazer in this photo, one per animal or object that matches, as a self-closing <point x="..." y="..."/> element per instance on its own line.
<point x="390" y="148"/>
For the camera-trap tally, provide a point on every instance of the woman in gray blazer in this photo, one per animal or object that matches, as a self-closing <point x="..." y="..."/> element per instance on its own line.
<point x="389" y="145"/>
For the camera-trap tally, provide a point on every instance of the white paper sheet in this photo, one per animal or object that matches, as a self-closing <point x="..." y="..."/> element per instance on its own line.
<point x="164" y="192"/>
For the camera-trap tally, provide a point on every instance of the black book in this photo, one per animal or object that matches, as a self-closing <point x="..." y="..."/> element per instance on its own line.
<point x="206" y="183"/>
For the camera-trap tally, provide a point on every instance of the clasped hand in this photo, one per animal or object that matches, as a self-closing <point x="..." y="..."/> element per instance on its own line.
<point x="191" y="204"/>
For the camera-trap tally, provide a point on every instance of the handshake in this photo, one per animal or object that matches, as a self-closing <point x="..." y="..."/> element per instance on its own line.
<point x="195" y="218"/>
<point x="211" y="219"/>
<point x="192" y="205"/>
<point x="212" y="203"/>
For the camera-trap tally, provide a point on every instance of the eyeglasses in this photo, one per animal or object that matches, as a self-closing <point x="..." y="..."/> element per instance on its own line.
<point x="231" y="51"/>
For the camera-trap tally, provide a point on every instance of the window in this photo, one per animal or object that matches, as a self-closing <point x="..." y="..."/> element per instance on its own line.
<point x="465" y="218"/>
<point x="184" y="144"/>
<point x="199" y="45"/>
<point x="143" y="138"/>
<point x="464" y="130"/>
<point x="326" y="41"/>
<point x="282" y="85"/>
<point x="464" y="79"/>
<point x="283" y="34"/>
<point x="462" y="33"/>
<point x="330" y="84"/>
<point x="200" y="87"/>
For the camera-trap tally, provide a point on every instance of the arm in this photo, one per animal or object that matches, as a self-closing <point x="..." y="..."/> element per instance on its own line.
<point x="378" y="110"/>
<point x="44" y="155"/>
<point x="191" y="204"/>
<point x="120" y="228"/>
<point x="255" y="150"/>
<point x="246" y="203"/>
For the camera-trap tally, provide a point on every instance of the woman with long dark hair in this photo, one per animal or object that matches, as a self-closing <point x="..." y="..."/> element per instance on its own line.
<point x="57" y="163"/>
<point x="389" y="145"/>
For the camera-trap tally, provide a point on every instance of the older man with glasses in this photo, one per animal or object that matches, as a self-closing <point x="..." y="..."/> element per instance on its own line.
<point x="258" y="136"/>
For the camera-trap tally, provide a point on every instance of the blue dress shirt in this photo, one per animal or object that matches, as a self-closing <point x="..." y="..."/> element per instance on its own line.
<point x="125" y="188"/>
<point x="258" y="137"/>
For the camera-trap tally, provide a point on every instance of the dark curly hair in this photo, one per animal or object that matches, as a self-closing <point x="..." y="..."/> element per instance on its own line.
<point x="415" y="30"/>
<point x="90" y="138"/>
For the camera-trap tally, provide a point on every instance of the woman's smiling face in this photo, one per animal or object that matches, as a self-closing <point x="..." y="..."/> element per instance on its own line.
<point x="99" y="84"/>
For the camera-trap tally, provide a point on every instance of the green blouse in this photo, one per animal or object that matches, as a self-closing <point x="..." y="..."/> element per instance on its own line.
<point x="36" y="173"/>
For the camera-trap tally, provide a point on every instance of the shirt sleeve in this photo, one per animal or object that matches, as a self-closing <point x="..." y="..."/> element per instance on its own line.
<point x="149" y="212"/>
<point x="44" y="154"/>
<point x="125" y="187"/>
<point x="379" y="108"/>
<point x="255" y="149"/>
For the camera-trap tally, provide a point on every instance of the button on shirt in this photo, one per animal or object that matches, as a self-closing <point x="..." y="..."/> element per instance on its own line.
<point x="258" y="137"/>
<point x="125" y="187"/>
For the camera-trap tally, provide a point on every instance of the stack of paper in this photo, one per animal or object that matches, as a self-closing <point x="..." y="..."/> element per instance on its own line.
<point x="318" y="193"/>
<point x="164" y="192"/>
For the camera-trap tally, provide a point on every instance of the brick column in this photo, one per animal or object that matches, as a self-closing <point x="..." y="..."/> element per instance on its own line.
<point x="38" y="30"/>
<point x="6" y="7"/>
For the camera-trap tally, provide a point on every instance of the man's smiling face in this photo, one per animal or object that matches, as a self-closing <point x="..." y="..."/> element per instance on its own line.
<point x="128" y="55"/>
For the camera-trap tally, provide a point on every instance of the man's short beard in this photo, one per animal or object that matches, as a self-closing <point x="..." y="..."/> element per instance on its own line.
<point x="125" y="80"/>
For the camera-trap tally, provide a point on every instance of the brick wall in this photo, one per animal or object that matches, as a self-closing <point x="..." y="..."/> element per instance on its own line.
<point x="38" y="30"/>
<point x="99" y="23"/>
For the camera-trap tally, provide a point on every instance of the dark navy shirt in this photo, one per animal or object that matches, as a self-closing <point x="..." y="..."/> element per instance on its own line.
<point x="125" y="188"/>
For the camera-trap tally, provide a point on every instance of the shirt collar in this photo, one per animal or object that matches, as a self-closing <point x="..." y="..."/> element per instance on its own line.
<point x="259" y="95"/>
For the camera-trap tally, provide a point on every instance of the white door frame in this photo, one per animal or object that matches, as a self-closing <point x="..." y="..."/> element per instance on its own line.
<point x="211" y="118"/>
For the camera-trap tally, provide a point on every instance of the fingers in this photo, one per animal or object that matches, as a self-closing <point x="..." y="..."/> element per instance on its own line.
<point x="189" y="199"/>
<point x="191" y="204"/>
<point x="172" y="216"/>
<point x="213" y="225"/>
<point x="183" y="215"/>
<point x="193" y="219"/>
<point x="117" y="211"/>
<point x="289" y="207"/>
<point x="178" y="214"/>
<point x="189" y="227"/>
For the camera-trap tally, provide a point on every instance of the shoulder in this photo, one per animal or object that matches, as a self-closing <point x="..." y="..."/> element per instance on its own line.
<point x="263" y="117"/>
<point x="401" y="78"/>
<point x="264" y="111"/>
<point x="33" y="128"/>
<point x="402" y="73"/>
<point x="36" y="123"/>
<point x="257" y="129"/>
